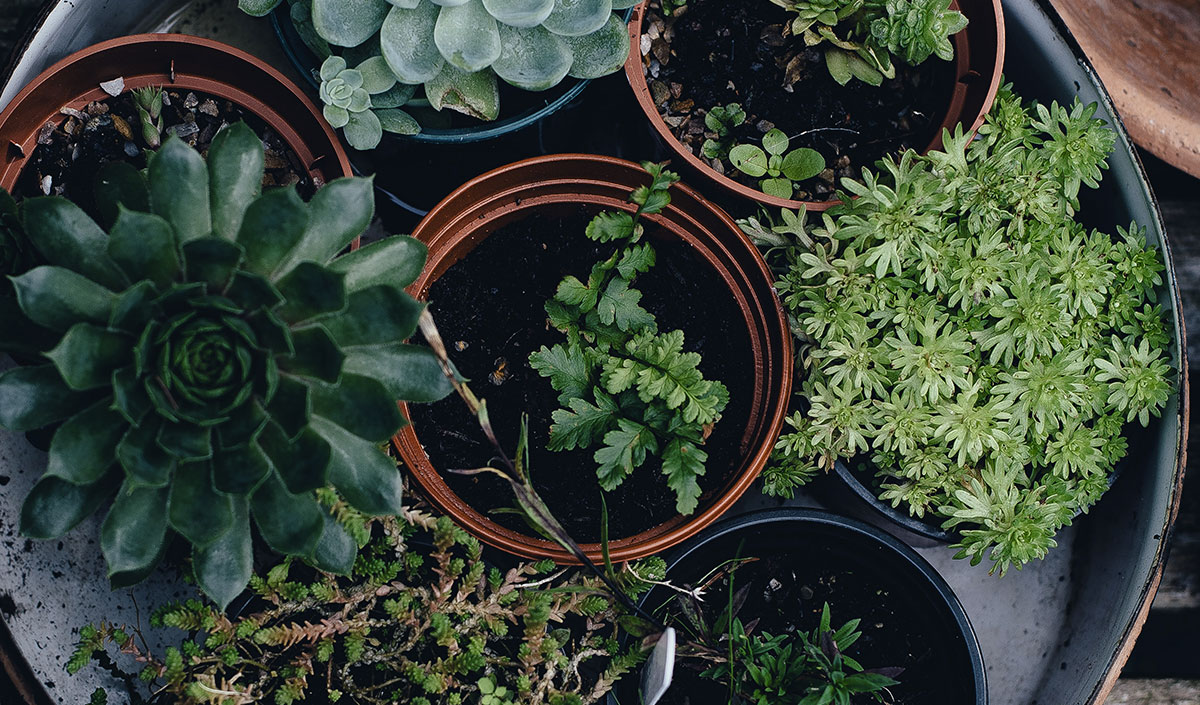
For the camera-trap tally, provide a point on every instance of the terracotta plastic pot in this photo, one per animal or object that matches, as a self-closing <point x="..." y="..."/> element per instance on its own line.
<point x="809" y="537"/>
<point x="979" y="61"/>
<point x="177" y="61"/>
<point x="465" y="218"/>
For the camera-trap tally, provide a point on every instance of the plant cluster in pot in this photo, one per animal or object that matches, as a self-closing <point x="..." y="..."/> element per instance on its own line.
<point x="975" y="355"/>
<point x="777" y="100"/>
<point x="800" y="606"/>
<point x="552" y="267"/>
<point x="436" y="70"/>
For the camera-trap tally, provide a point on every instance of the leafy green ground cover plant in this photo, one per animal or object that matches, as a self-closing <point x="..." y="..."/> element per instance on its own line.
<point x="627" y="388"/>
<point x="782" y="168"/>
<point x="862" y="38"/>
<point x="963" y="332"/>
<point x="423" y="620"/>
<point x="456" y="50"/>
<point x="215" y="361"/>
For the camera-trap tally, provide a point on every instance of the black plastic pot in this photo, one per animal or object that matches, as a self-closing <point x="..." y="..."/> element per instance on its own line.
<point x="813" y="541"/>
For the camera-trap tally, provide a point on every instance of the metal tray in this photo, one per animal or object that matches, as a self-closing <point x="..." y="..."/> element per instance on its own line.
<point x="1056" y="633"/>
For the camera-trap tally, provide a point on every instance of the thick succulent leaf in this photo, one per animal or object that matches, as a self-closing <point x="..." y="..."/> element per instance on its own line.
<point x="331" y="67"/>
<point x="467" y="36"/>
<point x="362" y="473"/>
<point x="475" y="94"/>
<point x="337" y="117"/>
<point x="406" y="41"/>
<point x="197" y="511"/>
<point x="397" y="261"/>
<point x="240" y="470"/>
<point x="291" y="405"/>
<point x="120" y="184"/>
<point x="65" y="236"/>
<point x="301" y="14"/>
<point x="33" y="397"/>
<point x="186" y="441"/>
<point x="394" y="97"/>
<point x="179" y="189"/>
<point x="363" y="130"/>
<point x="575" y="18"/>
<point x="81" y="451"/>
<point x="533" y="59"/>
<point x="252" y="292"/>
<point x="235" y="171"/>
<point x="338" y="213"/>
<point x="625" y="4"/>
<point x="146" y="464"/>
<point x="348" y="23"/>
<point x="602" y="52"/>
<point x="143" y="246"/>
<point x="302" y="462"/>
<point x="449" y="3"/>
<point x="34" y="339"/>
<point x="409" y="372"/>
<point x="211" y="260"/>
<point x="134" y="534"/>
<point x="377" y="314"/>
<point x="223" y="568"/>
<point x="243" y="426"/>
<point x="317" y="355"/>
<point x="310" y="290"/>
<point x="58" y="298"/>
<point x="407" y="4"/>
<point x="397" y="122"/>
<point x="336" y="551"/>
<point x="519" y="13"/>
<point x="376" y="75"/>
<point x="360" y="404"/>
<point x="129" y="395"/>
<point x="257" y="8"/>
<point x="289" y="523"/>
<point x="87" y="355"/>
<point x="54" y="506"/>
<point x="134" y="308"/>
<point x="274" y="224"/>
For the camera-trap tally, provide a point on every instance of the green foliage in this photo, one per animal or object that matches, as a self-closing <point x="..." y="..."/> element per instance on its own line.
<point x="440" y="635"/>
<point x="782" y="168"/>
<point x="347" y="95"/>
<point x="862" y="37"/>
<point x="624" y="386"/>
<point x="966" y="335"/>
<point x="456" y="51"/>
<point x="722" y="120"/>
<point x="149" y="101"/>
<point x="223" y="354"/>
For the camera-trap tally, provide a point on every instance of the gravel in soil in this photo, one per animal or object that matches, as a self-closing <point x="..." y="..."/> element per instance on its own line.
<point x="712" y="53"/>
<point x="489" y="308"/>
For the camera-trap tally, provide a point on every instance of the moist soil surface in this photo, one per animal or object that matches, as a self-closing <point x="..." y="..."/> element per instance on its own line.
<point x="71" y="152"/>
<point x="489" y="308"/>
<point x="785" y="591"/>
<point x="712" y="53"/>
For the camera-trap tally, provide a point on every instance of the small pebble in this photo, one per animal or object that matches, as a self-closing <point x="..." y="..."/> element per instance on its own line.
<point x="806" y="593"/>
<point x="131" y="149"/>
<point x="113" y="87"/>
<point x="47" y="181"/>
<point x="190" y="101"/>
<point x="209" y="107"/>
<point x="46" y="133"/>
<point x="461" y="345"/>
<point x="122" y="127"/>
<point x="184" y="129"/>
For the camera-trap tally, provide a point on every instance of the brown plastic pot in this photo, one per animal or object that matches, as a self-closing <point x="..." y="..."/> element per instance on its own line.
<point x="465" y="218"/>
<point x="178" y="61"/>
<point x="979" y="62"/>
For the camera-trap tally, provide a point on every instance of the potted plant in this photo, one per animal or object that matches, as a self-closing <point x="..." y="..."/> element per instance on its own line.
<point x="532" y="216"/>
<point x="437" y="71"/>
<point x="215" y="361"/>
<point x="775" y="101"/>
<point x="974" y="353"/>
<point x="799" y="606"/>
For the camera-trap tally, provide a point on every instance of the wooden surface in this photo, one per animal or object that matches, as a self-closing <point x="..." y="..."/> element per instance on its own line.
<point x="1165" y="666"/>
<point x="1147" y="53"/>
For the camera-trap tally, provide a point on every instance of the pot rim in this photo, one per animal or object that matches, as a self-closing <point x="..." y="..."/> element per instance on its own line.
<point x="636" y="76"/>
<point x="805" y="516"/>
<point x="505" y="192"/>
<point x="18" y="127"/>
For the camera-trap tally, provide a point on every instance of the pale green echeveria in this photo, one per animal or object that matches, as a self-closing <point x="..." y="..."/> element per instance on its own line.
<point x="217" y="361"/>
<point x="363" y="101"/>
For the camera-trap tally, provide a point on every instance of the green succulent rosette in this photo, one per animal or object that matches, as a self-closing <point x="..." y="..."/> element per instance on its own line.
<point x="216" y="362"/>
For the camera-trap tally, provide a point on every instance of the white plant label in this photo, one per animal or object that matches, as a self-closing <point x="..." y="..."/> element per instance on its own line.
<point x="659" y="668"/>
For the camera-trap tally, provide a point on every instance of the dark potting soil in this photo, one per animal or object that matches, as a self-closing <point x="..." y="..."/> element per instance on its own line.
<point x="714" y="52"/>
<point x="785" y="593"/>
<point x="489" y="308"/>
<point x="71" y="152"/>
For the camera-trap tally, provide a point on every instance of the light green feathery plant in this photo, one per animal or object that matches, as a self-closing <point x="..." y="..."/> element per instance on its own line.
<point x="961" y="331"/>
<point x="217" y="360"/>
<point x="455" y="50"/>
<point x="863" y="38"/>
<point x="423" y="619"/>
<point x="628" y="389"/>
